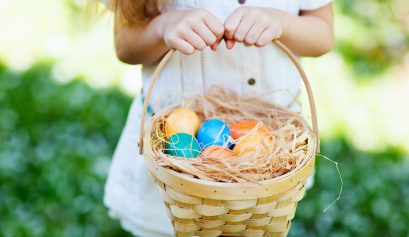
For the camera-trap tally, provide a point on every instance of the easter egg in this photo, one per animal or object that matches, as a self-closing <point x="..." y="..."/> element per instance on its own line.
<point x="213" y="132"/>
<point x="182" y="121"/>
<point x="241" y="128"/>
<point x="252" y="143"/>
<point x="182" y="145"/>
<point x="217" y="152"/>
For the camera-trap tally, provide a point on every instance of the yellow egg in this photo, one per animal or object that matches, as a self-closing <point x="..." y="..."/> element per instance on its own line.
<point x="254" y="143"/>
<point x="182" y="121"/>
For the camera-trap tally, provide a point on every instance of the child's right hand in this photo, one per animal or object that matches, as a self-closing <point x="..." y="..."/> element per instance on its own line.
<point x="190" y="30"/>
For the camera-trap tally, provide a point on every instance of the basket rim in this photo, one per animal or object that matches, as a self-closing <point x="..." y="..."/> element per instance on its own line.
<point x="230" y="191"/>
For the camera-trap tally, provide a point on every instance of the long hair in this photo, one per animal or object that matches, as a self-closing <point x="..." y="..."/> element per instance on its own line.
<point x="133" y="11"/>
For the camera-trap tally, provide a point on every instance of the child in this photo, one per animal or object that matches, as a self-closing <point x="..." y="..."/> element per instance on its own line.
<point x="146" y="29"/>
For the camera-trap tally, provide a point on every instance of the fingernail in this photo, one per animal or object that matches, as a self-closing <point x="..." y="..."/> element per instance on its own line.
<point x="214" y="46"/>
<point x="229" y="44"/>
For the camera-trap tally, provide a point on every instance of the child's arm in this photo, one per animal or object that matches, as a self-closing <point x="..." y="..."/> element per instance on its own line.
<point x="310" y="34"/>
<point x="184" y="30"/>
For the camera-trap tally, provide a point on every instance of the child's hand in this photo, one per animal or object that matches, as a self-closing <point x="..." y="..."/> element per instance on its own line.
<point x="190" y="30"/>
<point x="254" y="26"/>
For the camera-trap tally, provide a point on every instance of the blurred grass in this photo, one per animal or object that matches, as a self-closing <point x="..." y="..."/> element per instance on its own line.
<point x="374" y="200"/>
<point x="57" y="142"/>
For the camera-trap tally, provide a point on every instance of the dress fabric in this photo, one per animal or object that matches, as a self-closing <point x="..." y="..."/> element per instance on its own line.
<point x="130" y="193"/>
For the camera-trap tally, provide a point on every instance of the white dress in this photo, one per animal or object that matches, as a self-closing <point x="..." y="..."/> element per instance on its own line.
<point x="130" y="193"/>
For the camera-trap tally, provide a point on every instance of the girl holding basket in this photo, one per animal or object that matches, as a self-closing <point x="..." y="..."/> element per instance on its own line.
<point x="204" y="34"/>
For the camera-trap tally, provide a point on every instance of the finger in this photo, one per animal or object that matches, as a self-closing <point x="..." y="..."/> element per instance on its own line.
<point x="215" y="25"/>
<point x="232" y="22"/>
<point x="215" y="45"/>
<point x="254" y="33"/>
<point x="247" y="45"/>
<point x="205" y="33"/>
<point x="267" y="36"/>
<point x="195" y="40"/>
<point x="245" y="25"/>
<point x="183" y="46"/>
<point x="229" y="43"/>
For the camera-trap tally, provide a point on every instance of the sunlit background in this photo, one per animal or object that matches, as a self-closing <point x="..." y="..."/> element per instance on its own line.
<point x="64" y="99"/>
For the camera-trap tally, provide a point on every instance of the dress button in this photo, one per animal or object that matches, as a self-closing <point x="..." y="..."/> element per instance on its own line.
<point x="242" y="1"/>
<point x="251" y="81"/>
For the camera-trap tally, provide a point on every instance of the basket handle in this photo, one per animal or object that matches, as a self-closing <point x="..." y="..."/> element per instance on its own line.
<point x="280" y="45"/>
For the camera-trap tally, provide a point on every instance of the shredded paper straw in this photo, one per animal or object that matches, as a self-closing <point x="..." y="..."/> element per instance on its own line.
<point x="288" y="147"/>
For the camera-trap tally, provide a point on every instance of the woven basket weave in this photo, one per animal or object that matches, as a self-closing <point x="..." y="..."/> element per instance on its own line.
<point x="211" y="209"/>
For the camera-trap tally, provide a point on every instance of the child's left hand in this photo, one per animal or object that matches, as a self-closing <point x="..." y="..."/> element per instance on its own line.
<point x="254" y="26"/>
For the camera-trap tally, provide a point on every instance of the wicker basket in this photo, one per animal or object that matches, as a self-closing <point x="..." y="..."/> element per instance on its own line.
<point x="210" y="209"/>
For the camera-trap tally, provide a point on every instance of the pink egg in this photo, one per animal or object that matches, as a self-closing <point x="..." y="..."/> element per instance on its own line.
<point x="217" y="152"/>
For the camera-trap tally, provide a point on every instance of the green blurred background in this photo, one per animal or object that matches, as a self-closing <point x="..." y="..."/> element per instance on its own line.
<point x="64" y="100"/>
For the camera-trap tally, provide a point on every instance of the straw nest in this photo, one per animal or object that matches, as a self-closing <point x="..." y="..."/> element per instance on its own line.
<point x="291" y="146"/>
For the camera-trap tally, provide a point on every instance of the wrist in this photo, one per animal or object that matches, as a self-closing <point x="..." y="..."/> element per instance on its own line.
<point x="283" y="18"/>
<point x="159" y="26"/>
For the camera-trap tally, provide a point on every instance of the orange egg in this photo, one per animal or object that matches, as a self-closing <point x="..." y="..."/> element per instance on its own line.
<point x="252" y="143"/>
<point x="182" y="121"/>
<point x="241" y="128"/>
<point x="217" y="152"/>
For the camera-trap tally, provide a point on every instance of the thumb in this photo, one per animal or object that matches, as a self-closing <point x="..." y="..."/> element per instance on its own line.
<point x="229" y="43"/>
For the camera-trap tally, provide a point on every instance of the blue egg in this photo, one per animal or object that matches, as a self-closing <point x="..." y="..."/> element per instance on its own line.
<point x="213" y="132"/>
